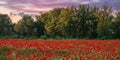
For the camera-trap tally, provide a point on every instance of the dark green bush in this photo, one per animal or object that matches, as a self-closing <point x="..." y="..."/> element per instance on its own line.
<point x="44" y="37"/>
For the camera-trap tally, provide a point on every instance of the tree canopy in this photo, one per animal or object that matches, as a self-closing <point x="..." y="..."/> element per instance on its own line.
<point x="83" y="21"/>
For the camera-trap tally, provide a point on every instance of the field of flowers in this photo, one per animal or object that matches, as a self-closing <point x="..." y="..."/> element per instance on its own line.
<point x="59" y="50"/>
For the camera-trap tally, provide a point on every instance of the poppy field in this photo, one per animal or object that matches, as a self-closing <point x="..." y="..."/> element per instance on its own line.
<point x="59" y="50"/>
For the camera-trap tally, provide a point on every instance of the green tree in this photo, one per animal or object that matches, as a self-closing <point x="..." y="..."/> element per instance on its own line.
<point x="39" y="26"/>
<point x="86" y="21"/>
<point x="52" y="21"/>
<point x="25" y="26"/>
<point x="66" y="22"/>
<point x="115" y="27"/>
<point x="104" y="19"/>
<point x="5" y="25"/>
<point x="91" y="23"/>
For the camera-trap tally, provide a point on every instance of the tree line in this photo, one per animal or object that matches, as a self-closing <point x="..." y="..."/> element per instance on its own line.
<point x="83" y="21"/>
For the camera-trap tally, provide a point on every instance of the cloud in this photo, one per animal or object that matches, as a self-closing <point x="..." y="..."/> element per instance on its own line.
<point x="96" y="0"/>
<point x="113" y="3"/>
<point x="2" y="2"/>
<point x="34" y="6"/>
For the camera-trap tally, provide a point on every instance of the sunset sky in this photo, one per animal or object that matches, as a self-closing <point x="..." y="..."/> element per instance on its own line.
<point x="35" y="6"/>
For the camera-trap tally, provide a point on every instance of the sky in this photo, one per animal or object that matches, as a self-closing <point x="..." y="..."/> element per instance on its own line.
<point x="35" y="6"/>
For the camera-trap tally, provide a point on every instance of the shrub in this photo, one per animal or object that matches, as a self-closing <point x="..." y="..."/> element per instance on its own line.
<point x="44" y="37"/>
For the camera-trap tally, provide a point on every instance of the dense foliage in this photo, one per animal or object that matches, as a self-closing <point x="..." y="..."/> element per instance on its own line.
<point x="81" y="22"/>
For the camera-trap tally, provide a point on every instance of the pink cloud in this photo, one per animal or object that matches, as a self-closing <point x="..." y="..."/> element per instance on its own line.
<point x="34" y="6"/>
